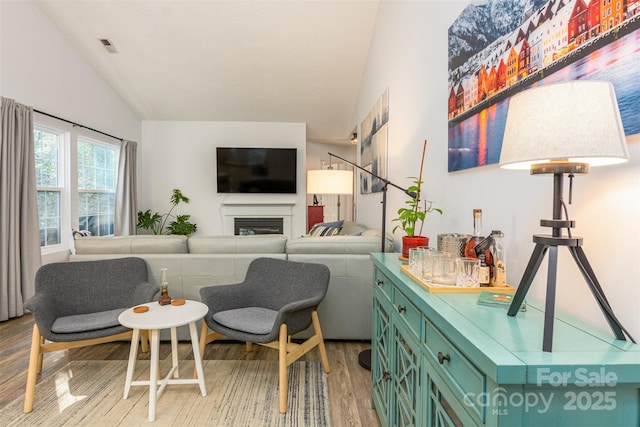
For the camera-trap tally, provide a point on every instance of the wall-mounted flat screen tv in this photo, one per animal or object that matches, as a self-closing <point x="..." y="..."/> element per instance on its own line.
<point x="256" y="170"/>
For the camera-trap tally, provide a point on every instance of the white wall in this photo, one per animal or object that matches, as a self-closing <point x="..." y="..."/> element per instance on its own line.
<point x="40" y="68"/>
<point x="182" y="155"/>
<point x="409" y="56"/>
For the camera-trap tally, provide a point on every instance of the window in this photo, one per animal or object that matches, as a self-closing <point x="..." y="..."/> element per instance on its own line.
<point x="76" y="182"/>
<point x="96" y="186"/>
<point x="49" y="179"/>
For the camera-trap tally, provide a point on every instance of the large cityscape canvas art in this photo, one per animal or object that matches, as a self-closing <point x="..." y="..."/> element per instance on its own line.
<point x="498" y="48"/>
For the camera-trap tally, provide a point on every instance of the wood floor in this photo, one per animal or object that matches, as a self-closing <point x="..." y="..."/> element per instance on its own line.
<point x="349" y="384"/>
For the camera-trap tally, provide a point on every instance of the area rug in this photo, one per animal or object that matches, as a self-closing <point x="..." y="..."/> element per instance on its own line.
<point x="239" y="393"/>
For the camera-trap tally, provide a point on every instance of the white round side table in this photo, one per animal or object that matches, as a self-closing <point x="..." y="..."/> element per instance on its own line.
<point x="156" y="318"/>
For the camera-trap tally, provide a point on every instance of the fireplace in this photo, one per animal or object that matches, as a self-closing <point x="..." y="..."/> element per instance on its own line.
<point x="251" y="226"/>
<point x="261" y="215"/>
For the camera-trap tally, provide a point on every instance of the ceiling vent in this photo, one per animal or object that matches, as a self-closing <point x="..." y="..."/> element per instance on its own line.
<point x="109" y="46"/>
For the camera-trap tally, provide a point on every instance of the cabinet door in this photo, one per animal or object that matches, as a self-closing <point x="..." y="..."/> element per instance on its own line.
<point x="406" y="377"/>
<point x="441" y="408"/>
<point x="381" y="351"/>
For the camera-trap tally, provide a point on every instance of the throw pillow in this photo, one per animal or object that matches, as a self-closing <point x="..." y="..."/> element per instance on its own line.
<point x="350" y="227"/>
<point x="334" y="224"/>
<point x="326" y="228"/>
<point x="323" y="231"/>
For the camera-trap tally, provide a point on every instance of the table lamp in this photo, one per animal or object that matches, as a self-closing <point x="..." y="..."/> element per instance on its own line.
<point x="558" y="129"/>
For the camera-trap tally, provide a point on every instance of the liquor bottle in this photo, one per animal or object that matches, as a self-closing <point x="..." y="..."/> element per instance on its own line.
<point x="470" y="250"/>
<point x="479" y="247"/>
<point x="164" y="299"/>
<point x="485" y="271"/>
<point x="499" y="276"/>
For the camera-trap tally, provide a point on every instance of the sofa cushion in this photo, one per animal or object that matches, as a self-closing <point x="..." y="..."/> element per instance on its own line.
<point x="336" y="245"/>
<point x="172" y="244"/>
<point x="260" y="244"/>
<point x="142" y="244"/>
<point x="254" y="320"/>
<point x="103" y="245"/>
<point x="86" y="322"/>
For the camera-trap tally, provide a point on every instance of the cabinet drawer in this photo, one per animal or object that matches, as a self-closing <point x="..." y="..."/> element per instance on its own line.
<point x="408" y="312"/>
<point x="467" y="381"/>
<point x="383" y="283"/>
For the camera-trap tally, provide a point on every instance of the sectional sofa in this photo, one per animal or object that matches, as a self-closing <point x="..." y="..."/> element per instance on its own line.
<point x="199" y="261"/>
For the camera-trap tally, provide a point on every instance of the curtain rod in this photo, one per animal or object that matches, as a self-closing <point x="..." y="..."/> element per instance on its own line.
<point x="77" y="124"/>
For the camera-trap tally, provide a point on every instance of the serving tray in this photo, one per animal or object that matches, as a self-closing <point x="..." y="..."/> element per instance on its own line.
<point x="454" y="289"/>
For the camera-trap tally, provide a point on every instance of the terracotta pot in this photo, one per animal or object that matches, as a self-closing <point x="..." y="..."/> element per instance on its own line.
<point x="413" y="242"/>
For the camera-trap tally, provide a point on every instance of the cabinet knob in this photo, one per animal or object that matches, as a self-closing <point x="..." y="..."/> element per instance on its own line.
<point x="386" y="375"/>
<point x="380" y="282"/>
<point x="401" y="309"/>
<point x="443" y="357"/>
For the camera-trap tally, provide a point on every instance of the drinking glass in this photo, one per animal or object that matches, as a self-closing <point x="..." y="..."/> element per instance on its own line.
<point x="444" y="270"/>
<point x="468" y="272"/>
<point x="415" y="261"/>
<point x="428" y="255"/>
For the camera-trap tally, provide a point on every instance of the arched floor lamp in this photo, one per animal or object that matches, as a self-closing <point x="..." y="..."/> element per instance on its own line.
<point x="364" y="358"/>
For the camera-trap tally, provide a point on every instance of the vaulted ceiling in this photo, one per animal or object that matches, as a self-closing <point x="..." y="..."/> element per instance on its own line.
<point x="232" y="60"/>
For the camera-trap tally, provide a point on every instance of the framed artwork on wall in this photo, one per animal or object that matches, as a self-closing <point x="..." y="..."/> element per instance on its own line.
<point x="373" y="145"/>
<point x="496" y="52"/>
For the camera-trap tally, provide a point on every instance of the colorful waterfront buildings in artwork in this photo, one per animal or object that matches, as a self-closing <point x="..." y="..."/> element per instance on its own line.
<point x="544" y="38"/>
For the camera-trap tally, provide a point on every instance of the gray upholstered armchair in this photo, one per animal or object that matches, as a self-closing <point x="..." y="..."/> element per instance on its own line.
<point x="277" y="299"/>
<point x="77" y="304"/>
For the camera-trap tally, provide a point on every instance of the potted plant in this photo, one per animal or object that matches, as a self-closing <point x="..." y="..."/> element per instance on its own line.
<point x="414" y="214"/>
<point x="157" y="223"/>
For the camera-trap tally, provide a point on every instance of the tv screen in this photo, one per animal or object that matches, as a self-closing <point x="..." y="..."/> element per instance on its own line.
<point x="256" y="170"/>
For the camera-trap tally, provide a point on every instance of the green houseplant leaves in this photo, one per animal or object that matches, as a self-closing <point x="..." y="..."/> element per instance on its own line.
<point x="416" y="210"/>
<point x="157" y="223"/>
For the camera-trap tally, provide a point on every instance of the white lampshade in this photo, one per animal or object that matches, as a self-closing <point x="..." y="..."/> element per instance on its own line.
<point x="329" y="181"/>
<point x="578" y="121"/>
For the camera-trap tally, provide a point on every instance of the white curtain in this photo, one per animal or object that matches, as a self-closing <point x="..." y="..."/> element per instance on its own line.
<point x="126" y="212"/>
<point x="19" y="231"/>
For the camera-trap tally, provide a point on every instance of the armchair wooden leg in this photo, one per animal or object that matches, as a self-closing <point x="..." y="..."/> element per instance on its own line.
<point x="203" y="342"/>
<point x="321" y="347"/>
<point x="203" y="338"/>
<point x="282" y="368"/>
<point x="41" y="355"/>
<point x="248" y="346"/>
<point x="144" y="341"/>
<point x="35" y="358"/>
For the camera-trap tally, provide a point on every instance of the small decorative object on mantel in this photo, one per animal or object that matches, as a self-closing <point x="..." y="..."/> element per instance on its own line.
<point x="415" y="213"/>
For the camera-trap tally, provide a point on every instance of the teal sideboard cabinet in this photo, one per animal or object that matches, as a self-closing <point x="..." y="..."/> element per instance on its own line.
<point x="440" y="359"/>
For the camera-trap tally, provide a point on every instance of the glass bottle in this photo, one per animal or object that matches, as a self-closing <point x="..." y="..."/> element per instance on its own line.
<point x="499" y="277"/>
<point x="485" y="271"/>
<point x="478" y="244"/>
<point x="476" y="238"/>
<point x="164" y="299"/>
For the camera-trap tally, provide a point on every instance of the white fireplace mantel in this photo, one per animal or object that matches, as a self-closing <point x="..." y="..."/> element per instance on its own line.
<point x="257" y="207"/>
